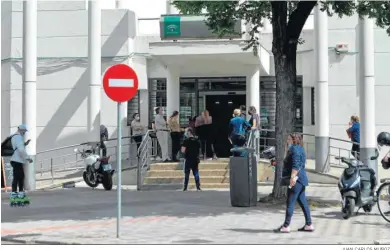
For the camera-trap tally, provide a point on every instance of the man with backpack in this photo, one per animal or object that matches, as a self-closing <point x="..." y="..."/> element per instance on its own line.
<point x="15" y="147"/>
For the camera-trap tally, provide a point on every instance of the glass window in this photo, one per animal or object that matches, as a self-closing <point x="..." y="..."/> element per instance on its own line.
<point x="157" y="96"/>
<point x="187" y="108"/>
<point x="187" y="84"/>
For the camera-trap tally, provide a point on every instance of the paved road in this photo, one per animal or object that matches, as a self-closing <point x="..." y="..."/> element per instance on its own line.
<point x="87" y="216"/>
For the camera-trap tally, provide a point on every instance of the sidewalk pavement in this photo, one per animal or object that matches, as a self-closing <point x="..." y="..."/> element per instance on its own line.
<point x="86" y="216"/>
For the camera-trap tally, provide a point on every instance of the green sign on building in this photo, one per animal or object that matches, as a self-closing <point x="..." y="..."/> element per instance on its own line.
<point x="172" y="26"/>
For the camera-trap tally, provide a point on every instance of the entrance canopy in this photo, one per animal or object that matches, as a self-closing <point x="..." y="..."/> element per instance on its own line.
<point x="210" y="58"/>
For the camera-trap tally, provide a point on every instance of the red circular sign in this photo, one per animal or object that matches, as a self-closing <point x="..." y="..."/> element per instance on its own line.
<point x="120" y="82"/>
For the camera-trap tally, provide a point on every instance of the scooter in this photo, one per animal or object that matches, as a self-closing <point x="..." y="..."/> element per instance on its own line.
<point x="357" y="187"/>
<point x="97" y="169"/>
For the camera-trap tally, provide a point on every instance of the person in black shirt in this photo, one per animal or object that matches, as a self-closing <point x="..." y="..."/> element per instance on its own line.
<point x="190" y="149"/>
<point x="103" y="138"/>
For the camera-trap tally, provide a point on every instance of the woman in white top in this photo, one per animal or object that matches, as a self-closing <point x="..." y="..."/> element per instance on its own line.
<point x="137" y="129"/>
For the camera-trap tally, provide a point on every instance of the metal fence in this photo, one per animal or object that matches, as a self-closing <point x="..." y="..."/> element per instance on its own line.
<point x="63" y="162"/>
<point x="337" y="147"/>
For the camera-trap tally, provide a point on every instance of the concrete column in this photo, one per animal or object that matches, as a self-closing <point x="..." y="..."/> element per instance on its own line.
<point x="29" y="101"/>
<point x="245" y="27"/>
<point x="173" y="90"/>
<point x="168" y="7"/>
<point x="267" y="26"/>
<point x="367" y="92"/>
<point x="321" y="91"/>
<point x="253" y="89"/>
<point x="121" y="4"/>
<point x="94" y="68"/>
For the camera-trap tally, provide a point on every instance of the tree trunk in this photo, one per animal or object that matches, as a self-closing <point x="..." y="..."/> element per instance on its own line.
<point x="285" y="69"/>
<point x="284" y="52"/>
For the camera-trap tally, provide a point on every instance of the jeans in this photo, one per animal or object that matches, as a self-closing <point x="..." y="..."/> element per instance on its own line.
<point x="176" y="137"/>
<point x="191" y="165"/>
<point x="356" y="151"/>
<point x="294" y="194"/>
<point x="137" y="139"/>
<point x="103" y="148"/>
<point x="18" y="176"/>
<point x="238" y="141"/>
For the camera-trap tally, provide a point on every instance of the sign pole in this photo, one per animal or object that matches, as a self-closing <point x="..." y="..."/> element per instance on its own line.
<point x="120" y="82"/>
<point x="119" y="169"/>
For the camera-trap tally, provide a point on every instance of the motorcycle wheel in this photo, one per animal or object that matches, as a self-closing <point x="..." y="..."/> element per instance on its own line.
<point x="349" y="208"/>
<point x="367" y="208"/>
<point x="107" y="181"/>
<point x="88" y="182"/>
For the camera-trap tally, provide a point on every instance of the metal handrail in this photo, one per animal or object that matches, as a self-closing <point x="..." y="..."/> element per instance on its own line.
<point x="334" y="151"/>
<point x="70" y="160"/>
<point x="143" y="158"/>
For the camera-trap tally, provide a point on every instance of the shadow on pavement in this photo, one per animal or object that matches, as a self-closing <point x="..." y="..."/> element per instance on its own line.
<point x="254" y="231"/>
<point x="87" y="204"/>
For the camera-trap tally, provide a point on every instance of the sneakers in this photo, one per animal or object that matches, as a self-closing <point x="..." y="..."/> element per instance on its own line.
<point x="282" y="229"/>
<point x="306" y="228"/>
<point x="197" y="189"/>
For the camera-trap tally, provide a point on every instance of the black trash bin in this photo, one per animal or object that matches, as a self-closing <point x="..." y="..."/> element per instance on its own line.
<point x="243" y="178"/>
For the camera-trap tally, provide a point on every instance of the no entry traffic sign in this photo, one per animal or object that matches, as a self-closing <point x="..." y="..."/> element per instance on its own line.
<point x="120" y="82"/>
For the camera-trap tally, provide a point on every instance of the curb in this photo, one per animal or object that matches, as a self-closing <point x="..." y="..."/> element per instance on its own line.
<point x="323" y="174"/>
<point x="61" y="184"/>
<point x="38" y="242"/>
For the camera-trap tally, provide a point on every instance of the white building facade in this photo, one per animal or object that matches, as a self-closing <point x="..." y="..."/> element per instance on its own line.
<point x="184" y="75"/>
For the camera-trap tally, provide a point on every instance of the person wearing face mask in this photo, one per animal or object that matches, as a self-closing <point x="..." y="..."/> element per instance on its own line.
<point x="294" y="176"/>
<point x="19" y="158"/>
<point x="137" y="130"/>
<point x="190" y="150"/>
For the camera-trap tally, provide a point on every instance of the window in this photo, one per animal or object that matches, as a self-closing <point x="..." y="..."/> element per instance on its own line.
<point x="133" y="106"/>
<point x="313" y="118"/>
<point x="157" y="96"/>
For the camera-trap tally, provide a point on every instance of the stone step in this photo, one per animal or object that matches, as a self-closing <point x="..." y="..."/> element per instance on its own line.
<point x="191" y="186"/>
<point x="177" y="180"/>
<point x="177" y="166"/>
<point x="180" y="173"/>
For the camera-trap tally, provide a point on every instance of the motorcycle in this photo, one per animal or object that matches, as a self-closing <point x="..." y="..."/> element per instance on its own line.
<point x="270" y="154"/>
<point x="97" y="169"/>
<point x="357" y="186"/>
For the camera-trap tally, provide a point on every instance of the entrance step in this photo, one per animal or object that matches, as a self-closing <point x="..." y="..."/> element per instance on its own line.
<point x="179" y="173"/>
<point x="217" y="165"/>
<point x="177" y="180"/>
<point x="215" y="174"/>
<point x="179" y="187"/>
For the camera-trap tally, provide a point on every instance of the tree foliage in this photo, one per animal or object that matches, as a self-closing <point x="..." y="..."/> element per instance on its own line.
<point x="287" y="19"/>
<point x="221" y="15"/>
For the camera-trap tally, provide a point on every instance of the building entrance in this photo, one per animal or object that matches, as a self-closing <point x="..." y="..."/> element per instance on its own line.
<point x="221" y="109"/>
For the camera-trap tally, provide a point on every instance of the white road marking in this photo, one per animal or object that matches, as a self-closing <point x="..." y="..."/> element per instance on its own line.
<point x="121" y="83"/>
